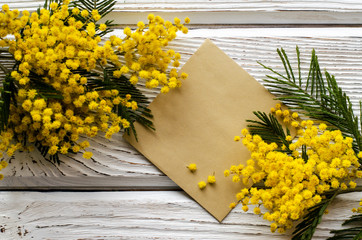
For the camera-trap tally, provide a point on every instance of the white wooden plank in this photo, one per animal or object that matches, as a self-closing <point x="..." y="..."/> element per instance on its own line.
<point x="230" y="11"/>
<point x="85" y="183"/>
<point x="117" y="165"/>
<point x="138" y="215"/>
<point x="207" y="5"/>
<point x="222" y="17"/>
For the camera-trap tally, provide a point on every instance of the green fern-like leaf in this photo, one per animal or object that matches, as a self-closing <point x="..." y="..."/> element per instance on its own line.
<point x="8" y="89"/>
<point x="317" y="96"/>
<point x="44" y="152"/>
<point x="44" y="90"/>
<point x="269" y="129"/>
<point x="352" y="233"/>
<point x="142" y="114"/>
<point x="306" y="229"/>
<point x="104" y="7"/>
<point x="7" y="96"/>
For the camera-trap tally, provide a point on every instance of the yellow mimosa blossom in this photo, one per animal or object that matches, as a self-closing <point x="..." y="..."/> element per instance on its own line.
<point x="211" y="179"/>
<point x="293" y="181"/>
<point x="202" y="184"/>
<point x="58" y="47"/>
<point x="192" y="167"/>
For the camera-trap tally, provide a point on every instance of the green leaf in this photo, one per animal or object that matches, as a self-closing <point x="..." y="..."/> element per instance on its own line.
<point x="104" y="7"/>
<point x="269" y="129"/>
<point x="43" y="89"/>
<point x="306" y="229"/>
<point x="352" y="233"/>
<point x="44" y="152"/>
<point x="318" y="96"/>
<point x="8" y="89"/>
<point x="7" y="96"/>
<point x="108" y="81"/>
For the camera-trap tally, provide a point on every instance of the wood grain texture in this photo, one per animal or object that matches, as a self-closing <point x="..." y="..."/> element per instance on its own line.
<point x="207" y="5"/>
<point x="117" y="165"/>
<point x="230" y="11"/>
<point x="138" y="215"/>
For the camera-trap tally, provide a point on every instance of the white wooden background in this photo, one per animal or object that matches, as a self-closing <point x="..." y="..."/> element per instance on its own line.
<point x="73" y="200"/>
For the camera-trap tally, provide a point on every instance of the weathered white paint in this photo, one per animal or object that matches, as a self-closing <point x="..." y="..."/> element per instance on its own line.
<point x="138" y="215"/>
<point x="207" y="5"/>
<point x="117" y="166"/>
<point x="230" y="12"/>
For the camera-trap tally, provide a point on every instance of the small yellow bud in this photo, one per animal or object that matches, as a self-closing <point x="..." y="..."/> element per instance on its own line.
<point x="192" y="167"/>
<point x="202" y="185"/>
<point x="232" y="205"/>
<point x="211" y="179"/>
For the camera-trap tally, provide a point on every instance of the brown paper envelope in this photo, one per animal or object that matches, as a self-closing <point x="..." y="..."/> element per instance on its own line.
<point x="197" y="124"/>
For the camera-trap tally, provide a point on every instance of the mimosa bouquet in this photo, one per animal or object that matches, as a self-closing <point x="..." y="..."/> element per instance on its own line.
<point x="296" y="176"/>
<point x="64" y="79"/>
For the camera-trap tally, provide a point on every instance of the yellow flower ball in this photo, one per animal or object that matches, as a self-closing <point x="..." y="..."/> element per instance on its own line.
<point x="211" y="179"/>
<point x="87" y="155"/>
<point x="202" y="185"/>
<point x="192" y="167"/>
<point x="232" y="205"/>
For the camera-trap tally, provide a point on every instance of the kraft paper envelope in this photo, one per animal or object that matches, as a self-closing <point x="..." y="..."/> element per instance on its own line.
<point x="197" y="124"/>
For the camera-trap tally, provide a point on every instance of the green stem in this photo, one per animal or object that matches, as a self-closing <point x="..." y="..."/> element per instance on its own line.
<point x="4" y="69"/>
<point x="356" y="189"/>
